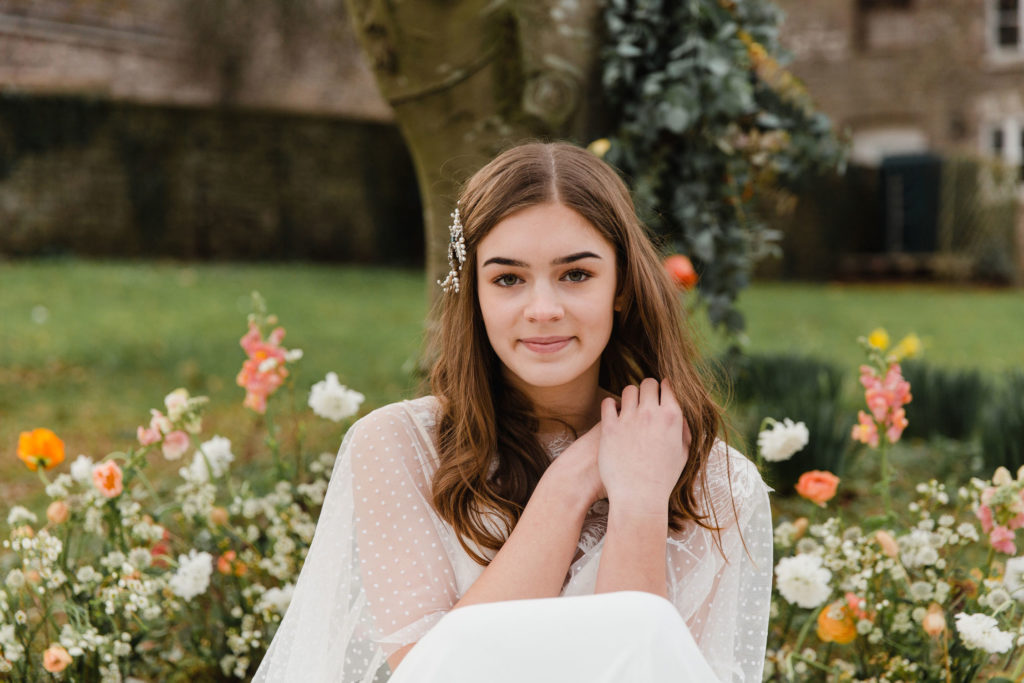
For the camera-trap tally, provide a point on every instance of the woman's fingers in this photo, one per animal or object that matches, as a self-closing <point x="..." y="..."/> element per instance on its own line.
<point x="630" y="398"/>
<point x="649" y="392"/>
<point x="609" y="411"/>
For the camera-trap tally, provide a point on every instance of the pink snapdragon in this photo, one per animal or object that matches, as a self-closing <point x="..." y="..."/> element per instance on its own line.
<point x="885" y="398"/>
<point x="159" y="425"/>
<point x="264" y="370"/>
<point x="1002" y="539"/>
<point x="1000" y="510"/>
<point x="865" y="431"/>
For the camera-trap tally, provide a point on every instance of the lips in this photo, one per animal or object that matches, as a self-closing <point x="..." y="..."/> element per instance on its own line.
<point x="546" y="344"/>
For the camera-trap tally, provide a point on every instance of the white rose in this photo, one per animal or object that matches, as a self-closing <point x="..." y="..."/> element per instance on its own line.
<point x="782" y="439"/>
<point x="803" y="581"/>
<point x="334" y="401"/>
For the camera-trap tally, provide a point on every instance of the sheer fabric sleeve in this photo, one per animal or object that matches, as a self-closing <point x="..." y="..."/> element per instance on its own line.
<point x="377" y="576"/>
<point x="726" y="600"/>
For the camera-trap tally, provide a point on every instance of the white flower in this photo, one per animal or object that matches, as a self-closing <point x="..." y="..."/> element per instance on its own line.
<point x="58" y="488"/>
<point x="803" y="581"/>
<point x="981" y="632"/>
<point x="1014" y="578"/>
<point x="193" y="575"/>
<point x="334" y="401"/>
<point x="218" y="454"/>
<point x="20" y="515"/>
<point x="277" y="599"/>
<point x="293" y="355"/>
<point x="782" y="440"/>
<point x="15" y="579"/>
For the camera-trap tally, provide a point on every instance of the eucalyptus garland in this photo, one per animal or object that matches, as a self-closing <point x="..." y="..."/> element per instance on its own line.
<point x="708" y="123"/>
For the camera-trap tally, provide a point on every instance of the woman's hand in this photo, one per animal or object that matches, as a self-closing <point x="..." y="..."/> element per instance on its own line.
<point x="643" y="447"/>
<point x="577" y="465"/>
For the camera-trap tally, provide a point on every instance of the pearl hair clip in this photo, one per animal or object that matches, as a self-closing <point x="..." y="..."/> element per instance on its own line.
<point x="456" y="255"/>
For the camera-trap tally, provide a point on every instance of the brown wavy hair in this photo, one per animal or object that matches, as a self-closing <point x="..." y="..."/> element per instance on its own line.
<point x="490" y="457"/>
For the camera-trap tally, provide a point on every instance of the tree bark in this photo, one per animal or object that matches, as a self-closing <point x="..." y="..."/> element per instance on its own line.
<point x="467" y="78"/>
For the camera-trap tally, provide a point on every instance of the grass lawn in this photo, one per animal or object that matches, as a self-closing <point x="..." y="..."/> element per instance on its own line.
<point x="88" y="348"/>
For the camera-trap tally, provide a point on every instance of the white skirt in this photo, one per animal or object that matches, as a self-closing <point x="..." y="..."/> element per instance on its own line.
<point x="624" y="637"/>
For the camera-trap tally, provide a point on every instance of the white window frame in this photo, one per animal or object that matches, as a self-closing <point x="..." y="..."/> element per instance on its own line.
<point x="1012" y="154"/>
<point x="997" y="53"/>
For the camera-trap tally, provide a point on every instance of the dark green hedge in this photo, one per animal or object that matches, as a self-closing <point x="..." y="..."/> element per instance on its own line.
<point x="100" y="178"/>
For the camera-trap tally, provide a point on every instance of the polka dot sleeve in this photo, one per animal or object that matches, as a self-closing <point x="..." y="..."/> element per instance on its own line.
<point x="725" y="596"/>
<point x="378" y="574"/>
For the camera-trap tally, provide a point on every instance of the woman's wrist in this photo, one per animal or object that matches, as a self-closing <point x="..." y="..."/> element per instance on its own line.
<point x="564" y="485"/>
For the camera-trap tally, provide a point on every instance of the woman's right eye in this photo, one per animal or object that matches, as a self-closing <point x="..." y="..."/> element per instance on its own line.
<point x="506" y="280"/>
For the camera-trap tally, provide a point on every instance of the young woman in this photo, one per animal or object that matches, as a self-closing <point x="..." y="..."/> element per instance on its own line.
<point x="570" y="448"/>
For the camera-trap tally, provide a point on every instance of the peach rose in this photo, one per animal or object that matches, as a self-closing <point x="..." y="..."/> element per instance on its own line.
<point x="57" y="512"/>
<point x="887" y="543"/>
<point x="934" y="622"/>
<point x="218" y="515"/>
<point x="107" y="477"/>
<point x="56" y="659"/>
<point x="817" y="486"/>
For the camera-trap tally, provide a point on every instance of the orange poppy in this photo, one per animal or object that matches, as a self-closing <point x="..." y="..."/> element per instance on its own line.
<point x="40" y="447"/>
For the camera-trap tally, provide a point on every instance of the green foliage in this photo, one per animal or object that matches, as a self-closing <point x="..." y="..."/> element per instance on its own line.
<point x="803" y="389"/>
<point x="946" y="401"/>
<point x="705" y="117"/>
<point x="1002" y="436"/>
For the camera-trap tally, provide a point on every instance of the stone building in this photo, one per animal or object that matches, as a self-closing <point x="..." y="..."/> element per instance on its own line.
<point x="197" y="129"/>
<point x="923" y="88"/>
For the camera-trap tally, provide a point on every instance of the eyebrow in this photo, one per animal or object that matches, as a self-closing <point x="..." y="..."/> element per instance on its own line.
<point x="560" y="261"/>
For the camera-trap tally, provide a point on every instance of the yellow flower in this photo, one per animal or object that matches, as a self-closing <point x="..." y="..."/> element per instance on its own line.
<point x="879" y="339"/>
<point x="908" y="347"/>
<point x="599" y="147"/>
<point x="40" y="447"/>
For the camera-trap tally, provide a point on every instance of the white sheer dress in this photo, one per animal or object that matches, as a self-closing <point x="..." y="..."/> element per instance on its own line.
<point x="383" y="569"/>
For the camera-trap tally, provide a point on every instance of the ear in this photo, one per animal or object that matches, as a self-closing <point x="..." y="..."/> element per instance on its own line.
<point x="619" y="303"/>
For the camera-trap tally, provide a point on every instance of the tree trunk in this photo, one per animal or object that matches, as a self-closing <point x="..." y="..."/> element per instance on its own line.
<point x="467" y="78"/>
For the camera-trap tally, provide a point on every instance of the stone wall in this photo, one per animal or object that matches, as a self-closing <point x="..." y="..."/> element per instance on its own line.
<point x="291" y="55"/>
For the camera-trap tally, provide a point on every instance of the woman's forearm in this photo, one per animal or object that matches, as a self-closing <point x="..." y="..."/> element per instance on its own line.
<point x="633" y="556"/>
<point x="534" y="560"/>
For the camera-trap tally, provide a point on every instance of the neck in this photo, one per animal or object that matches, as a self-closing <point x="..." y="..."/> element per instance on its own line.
<point x="577" y="404"/>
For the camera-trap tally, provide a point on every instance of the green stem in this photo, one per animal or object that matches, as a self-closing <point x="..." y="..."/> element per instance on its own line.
<point x="790" y="673"/>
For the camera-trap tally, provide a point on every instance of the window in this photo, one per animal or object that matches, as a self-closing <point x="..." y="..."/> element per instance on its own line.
<point x="1005" y="21"/>
<point x="1006" y="142"/>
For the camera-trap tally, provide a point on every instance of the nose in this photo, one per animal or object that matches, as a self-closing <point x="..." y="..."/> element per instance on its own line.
<point x="543" y="305"/>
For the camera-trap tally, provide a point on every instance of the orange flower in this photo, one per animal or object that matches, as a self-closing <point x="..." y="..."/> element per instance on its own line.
<point x="56" y="659"/>
<point x="40" y="447"/>
<point x="836" y="624"/>
<point x="107" y="477"/>
<point x="226" y="564"/>
<point x="817" y="486"/>
<point x="218" y="515"/>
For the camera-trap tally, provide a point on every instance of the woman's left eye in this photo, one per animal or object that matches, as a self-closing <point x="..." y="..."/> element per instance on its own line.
<point x="577" y="276"/>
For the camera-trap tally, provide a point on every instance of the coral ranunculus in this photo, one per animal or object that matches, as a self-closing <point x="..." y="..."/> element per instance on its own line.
<point x="56" y="659"/>
<point x="40" y="447"/>
<point x="107" y="478"/>
<point x="836" y="624"/>
<point x="817" y="486"/>
<point x="681" y="270"/>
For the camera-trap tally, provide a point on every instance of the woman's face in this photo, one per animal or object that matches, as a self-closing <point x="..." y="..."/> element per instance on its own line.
<point x="546" y="281"/>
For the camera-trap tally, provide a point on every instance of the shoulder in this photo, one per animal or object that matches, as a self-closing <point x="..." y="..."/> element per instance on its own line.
<point x="730" y="479"/>
<point x="405" y="428"/>
<point x="421" y="412"/>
